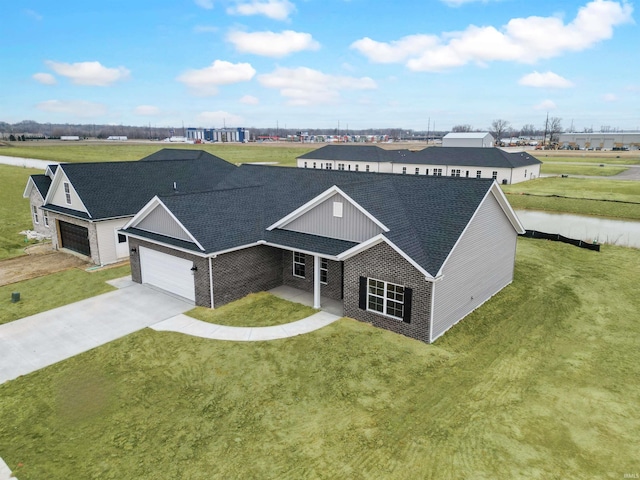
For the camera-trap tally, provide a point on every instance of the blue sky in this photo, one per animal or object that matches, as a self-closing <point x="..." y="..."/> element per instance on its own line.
<point x="321" y="64"/>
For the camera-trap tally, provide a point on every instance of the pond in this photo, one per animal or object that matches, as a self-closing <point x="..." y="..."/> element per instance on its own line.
<point x="601" y="230"/>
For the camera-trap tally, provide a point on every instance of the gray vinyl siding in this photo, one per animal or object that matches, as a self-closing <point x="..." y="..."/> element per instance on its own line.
<point x="479" y="266"/>
<point x="160" y="221"/>
<point x="353" y="225"/>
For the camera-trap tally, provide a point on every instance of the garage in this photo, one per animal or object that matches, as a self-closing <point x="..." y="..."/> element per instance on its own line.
<point x="74" y="237"/>
<point x="167" y="272"/>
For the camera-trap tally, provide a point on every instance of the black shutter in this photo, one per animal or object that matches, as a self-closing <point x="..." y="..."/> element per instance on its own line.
<point x="362" y="299"/>
<point x="408" y="293"/>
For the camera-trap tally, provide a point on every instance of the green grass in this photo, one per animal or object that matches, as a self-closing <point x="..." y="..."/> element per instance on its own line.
<point x="588" y="158"/>
<point x="540" y="382"/>
<point x="584" y="196"/>
<point x="51" y="291"/>
<point x="14" y="210"/>
<point x="254" y="310"/>
<point x="581" y="170"/>
<point x="283" y="154"/>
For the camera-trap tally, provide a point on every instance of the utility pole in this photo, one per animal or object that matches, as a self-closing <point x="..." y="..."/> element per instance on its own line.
<point x="546" y="126"/>
<point x="428" y="126"/>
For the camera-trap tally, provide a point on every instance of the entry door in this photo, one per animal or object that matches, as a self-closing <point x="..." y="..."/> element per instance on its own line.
<point x="167" y="272"/>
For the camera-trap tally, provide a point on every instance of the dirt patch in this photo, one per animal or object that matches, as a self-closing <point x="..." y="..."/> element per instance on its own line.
<point x="40" y="260"/>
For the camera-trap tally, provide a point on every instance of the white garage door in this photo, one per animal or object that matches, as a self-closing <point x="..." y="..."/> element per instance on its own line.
<point x="167" y="272"/>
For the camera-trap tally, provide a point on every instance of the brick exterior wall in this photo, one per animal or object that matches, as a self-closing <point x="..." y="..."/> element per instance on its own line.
<point x="91" y="227"/>
<point x="383" y="263"/>
<point x="200" y="276"/>
<point x="333" y="288"/>
<point x="36" y="200"/>
<point x="250" y="270"/>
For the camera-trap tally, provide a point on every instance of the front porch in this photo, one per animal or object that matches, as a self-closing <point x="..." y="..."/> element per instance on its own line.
<point x="306" y="298"/>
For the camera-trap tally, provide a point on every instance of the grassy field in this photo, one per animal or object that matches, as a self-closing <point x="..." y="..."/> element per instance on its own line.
<point x="585" y="196"/>
<point x="254" y="310"/>
<point x="594" y="170"/>
<point x="51" y="291"/>
<point x="14" y="210"/>
<point x="282" y="154"/>
<point x="540" y="382"/>
<point x="591" y="158"/>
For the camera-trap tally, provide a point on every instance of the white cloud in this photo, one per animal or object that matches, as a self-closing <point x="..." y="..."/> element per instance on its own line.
<point x="205" y="81"/>
<point x="249" y="100"/>
<point x="546" y="105"/>
<point x="275" y="9"/>
<point x="45" y="78"/>
<point x="524" y="40"/>
<point x="610" y="97"/>
<point x="146" y="110"/>
<point x="79" y="108"/>
<point x="206" y="4"/>
<point x="33" y="14"/>
<point x="220" y="118"/>
<point x="271" y="44"/>
<point x="205" y="29"/>
<point x="547" y="79"/>
<point x="89" y="73"/>
<point x="305" y="86"/>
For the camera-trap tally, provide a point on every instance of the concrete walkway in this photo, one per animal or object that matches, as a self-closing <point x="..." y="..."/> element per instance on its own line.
<point x="35" y="342"/>
<point x="197" y="328"/>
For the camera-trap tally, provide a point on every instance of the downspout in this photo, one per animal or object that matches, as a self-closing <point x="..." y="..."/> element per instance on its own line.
<point x="211" y="281"/>
<point x="316" y="281"/>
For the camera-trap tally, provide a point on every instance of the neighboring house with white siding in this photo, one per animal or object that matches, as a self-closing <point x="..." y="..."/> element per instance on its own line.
<point x="493" y="163"/>
<point x="81" y="206"/>
<point x="411" y="254"/>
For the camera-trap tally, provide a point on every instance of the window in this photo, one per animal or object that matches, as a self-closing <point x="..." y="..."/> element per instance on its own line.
<point x="455" y="172"/>
<point x="298" y="264"/>
<point x="328" y="166"/>
<point x="525" y="173"/>
<point x="122" y="238"/>
<point x="385" y="298"/>
<point x="35" y="215"/>
<point x="341" y="166"/>
<point x="45" y="215"/>
<point x="494" y="175"/>
<point x="357" y="167"/>
<point x="404" y="170"/>
<point x="67" y="193"/>
<point x="467" y="174"/>
<point x="426" y="171"/>
<point x="305" y="164"/>
<point x="417" y="171"/>
<point x="337" y="209"/>
<point x="324" y="270"/>
<point x="349" y="167"/>
<point x="478" y="173"/>
<point x="367" y="168"/>
<point x="437" y="172"/>
<point x="314" y="164"/>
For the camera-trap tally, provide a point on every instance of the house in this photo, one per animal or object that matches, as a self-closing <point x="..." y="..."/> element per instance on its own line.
<point x="468" y="139"/>
<point x="470" y="162"/>
<point x="81" y="206"/>
<point x="411" y="254"/>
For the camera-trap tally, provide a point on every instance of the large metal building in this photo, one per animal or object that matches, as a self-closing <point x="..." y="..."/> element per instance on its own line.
<point x="601" y="141"/>
<point x="468" y="139"/>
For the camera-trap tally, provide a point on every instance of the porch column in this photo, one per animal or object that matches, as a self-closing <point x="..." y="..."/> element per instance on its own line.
<point x="316" y="281"/>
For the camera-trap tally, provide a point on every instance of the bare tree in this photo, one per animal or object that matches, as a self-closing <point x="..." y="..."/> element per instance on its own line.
<point x="528" y="130"/>
<point x="461" y="128"/>
<point x="554" y="128"/>
<point x="499" y="127"/>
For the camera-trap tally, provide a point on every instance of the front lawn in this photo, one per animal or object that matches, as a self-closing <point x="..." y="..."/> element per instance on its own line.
<point x="51" y="291"/>
<point x="540" y="382"/>
<point x="255" y="310"/>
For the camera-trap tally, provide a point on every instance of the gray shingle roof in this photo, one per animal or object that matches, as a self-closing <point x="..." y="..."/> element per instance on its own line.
<point x="117" y="189"/>
<point x="454" y="156"/>
<point x="425" y="215"/>
<point x="42" y="183"/>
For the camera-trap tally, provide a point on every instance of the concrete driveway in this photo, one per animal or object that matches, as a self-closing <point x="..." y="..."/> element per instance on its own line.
<point x="35" y="342"/>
